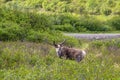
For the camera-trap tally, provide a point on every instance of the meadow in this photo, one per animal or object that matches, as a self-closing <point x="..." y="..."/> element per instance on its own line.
<point x="38" y="61"/>
<point x="28" y="28"/>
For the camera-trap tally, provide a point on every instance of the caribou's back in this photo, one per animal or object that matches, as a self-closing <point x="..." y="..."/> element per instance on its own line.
<point x="72" y="53"/>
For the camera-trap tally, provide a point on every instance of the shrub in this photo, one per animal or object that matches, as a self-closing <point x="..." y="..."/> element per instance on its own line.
<point x="79" y="27"/>
<point x="11" y="31"/>
<point x="114" y="23"/>
<point x="61" y="19"/>
<point x="40" y="21"/>
<point x="36" y="36"/>
<point x="65" y="27"/>
<point x="112" y="43"/>
<point x="107" y="12"/>
<point x="97" y="44"/>
<point x="15" y="25"/>
<point x="91" y="24"/>
<point x="21" y="18"/>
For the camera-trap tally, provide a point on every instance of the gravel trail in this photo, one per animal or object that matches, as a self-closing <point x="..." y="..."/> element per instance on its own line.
<point x="94" y="36"/>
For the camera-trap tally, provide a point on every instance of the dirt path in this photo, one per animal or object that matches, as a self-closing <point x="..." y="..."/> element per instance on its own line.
<point x="94" y="36"/>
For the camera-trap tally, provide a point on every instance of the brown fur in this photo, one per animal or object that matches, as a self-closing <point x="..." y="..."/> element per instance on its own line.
<point x="71" y="53"/>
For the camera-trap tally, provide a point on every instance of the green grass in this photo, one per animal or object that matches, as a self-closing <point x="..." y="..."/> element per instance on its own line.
<point x="38" y="61"/>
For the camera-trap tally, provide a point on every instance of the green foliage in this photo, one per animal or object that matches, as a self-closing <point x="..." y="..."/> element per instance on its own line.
<point x="107" y="12"/>
<point x="20" y="25"/>
<point x="17" y="25"/>
<point x="106" y="43"/>
<point x="91" y="24"/>
<point x="42" y="36"/>
<point x="40" y="21"/>
<point x="115" y="22"/>
<point x="107" y="46"/>
<point x="25" y="60"/>
<point x="92" y="7"/>
<point x="11" y="31"/>
<point x="65" y="28"/>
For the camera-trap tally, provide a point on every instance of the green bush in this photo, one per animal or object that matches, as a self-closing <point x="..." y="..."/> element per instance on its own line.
<point x="40" y="21"/>
<point x="112" y="43"/>
<point x="11" y="31"/>
<point x="107" y="43"/>
<point x="65" y="28"/>
<point x="15" y="25"/>
<point x="91" y="24"/>
<point x="61" y="19"/>
<point x="71" y="23"/>
<point x="114" y="22"/>
<point x="79" y="27"/>
<point x="36" y="36"/>
<point x="106" y="11"/>
<point x="21" y="18"/>
<point x="18" y="25"/>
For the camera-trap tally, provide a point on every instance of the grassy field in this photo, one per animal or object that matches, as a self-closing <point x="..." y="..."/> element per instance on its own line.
<point x="34" y="22"/>
<point x="38" y="61"/>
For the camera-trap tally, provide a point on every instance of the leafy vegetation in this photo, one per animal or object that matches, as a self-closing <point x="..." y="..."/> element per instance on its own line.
<point x="92" y="7"/>
<point x="38" y="61"/>
<point x="28" y="28"/>
<point x="62" y="15"/>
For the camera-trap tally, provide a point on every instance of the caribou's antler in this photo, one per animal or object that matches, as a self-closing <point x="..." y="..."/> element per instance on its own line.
<point x="63" y="42"/>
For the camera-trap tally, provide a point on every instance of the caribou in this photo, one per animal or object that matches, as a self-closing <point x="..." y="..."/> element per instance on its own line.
<point x="69" y="53"/>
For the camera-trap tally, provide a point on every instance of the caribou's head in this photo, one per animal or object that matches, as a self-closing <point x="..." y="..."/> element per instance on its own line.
<point x="58" y="47"/>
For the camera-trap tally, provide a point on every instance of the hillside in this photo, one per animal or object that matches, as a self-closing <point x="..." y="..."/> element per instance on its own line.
<point x="82" y="7"/>
<point x="45" y="16"/>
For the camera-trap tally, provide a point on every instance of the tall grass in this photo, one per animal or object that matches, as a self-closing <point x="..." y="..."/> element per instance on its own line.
<point x="38" y="61"/>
